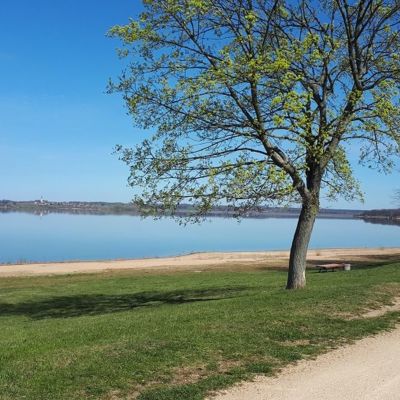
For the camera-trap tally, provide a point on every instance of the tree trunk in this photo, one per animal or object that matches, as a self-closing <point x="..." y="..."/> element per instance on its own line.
<point x="301" y="240"/>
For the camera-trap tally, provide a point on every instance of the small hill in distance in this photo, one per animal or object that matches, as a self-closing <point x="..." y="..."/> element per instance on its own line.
<point x="384" y="216"/>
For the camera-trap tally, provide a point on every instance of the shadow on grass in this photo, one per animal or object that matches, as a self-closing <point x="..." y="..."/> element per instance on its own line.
<point x="95" y="304"/>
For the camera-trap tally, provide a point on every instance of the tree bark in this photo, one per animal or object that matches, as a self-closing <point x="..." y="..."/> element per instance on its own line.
<point x="301" y="240"/>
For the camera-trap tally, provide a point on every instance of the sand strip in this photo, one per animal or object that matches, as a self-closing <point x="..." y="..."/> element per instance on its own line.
<point x="203" y="261"/>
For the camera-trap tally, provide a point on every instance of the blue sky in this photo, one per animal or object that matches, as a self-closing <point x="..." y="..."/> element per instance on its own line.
<point x="57" y="126"/>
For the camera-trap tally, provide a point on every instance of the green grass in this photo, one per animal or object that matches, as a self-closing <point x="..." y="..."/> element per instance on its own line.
<point x="174" y="336"/>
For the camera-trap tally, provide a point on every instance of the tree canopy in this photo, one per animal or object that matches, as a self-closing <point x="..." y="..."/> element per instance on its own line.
<point x="254" y="102"/>
<point x="245" y="96"/>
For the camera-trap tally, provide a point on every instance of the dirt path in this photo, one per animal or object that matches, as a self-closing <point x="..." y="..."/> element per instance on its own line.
<point x="366" y="370"/>
<point x="204" y="261"/>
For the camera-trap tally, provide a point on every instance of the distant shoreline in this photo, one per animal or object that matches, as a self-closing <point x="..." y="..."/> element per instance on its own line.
<point x="45" y="207"/>
<point x="185" y="210"/>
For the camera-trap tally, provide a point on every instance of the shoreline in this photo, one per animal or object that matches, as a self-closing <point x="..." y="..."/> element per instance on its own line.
<point x="184" y="210"/>
<point x="197" y="262"/>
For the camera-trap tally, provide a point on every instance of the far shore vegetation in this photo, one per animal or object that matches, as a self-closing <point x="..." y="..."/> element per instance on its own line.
<point x="177" y="336"/>
<point x="382" y="216"/>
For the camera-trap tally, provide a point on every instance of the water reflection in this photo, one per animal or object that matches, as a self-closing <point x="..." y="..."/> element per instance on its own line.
<point x="382" y="221"/>
<point x="60" y="236"/>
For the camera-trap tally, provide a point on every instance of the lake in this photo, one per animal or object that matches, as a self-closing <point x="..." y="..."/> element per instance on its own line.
<point x="58" y="237"/>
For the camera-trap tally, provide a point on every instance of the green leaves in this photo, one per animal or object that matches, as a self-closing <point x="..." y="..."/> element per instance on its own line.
<point x="255" y="102"/>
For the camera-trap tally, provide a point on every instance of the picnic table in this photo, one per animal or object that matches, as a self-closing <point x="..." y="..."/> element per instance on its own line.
<point x="333" y="267"/>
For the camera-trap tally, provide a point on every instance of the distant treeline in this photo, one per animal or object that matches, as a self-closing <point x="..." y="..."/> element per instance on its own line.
<point x="386" y="214"/>
<point x="105" y="208"/>
<point x="73" y="207"/>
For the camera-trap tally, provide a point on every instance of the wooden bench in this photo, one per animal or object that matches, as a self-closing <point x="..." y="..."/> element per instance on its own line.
<point x="332" y="267"/>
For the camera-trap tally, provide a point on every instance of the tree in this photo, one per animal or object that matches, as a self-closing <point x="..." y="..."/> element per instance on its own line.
<point x="397" y="196"/>
<point x="257" y="101"/>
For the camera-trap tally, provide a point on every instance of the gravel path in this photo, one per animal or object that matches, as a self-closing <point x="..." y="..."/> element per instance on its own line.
<point x="366" y="370"/>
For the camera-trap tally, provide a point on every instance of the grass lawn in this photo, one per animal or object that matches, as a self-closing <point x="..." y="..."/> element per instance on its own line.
<point x="126" y="335"/>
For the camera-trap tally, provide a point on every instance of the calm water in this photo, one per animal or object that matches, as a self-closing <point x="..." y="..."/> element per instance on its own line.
<point x="27" y="237"/>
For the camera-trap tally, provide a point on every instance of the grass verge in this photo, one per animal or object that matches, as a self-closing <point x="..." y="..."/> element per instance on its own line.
<point x="174" y="336"/>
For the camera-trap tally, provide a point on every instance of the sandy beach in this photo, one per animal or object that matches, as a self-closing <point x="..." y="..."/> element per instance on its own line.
<point x="204" y="261"/>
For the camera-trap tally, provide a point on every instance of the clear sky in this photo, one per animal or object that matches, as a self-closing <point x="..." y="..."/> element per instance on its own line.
<point x="57" y="126"/>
